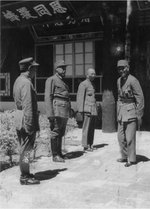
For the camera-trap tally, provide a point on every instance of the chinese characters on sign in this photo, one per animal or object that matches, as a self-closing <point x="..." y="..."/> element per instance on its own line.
<point x="72" y="21"/>
<point x="40" y="9"/>
<point x="25" y="13"/>
<point x="57" y="8"/>
<point x="9" y="15"/>
<point x="49" y="9"/>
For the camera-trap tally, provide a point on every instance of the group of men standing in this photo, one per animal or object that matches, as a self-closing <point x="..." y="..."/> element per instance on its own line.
<point x="58" y="106"/>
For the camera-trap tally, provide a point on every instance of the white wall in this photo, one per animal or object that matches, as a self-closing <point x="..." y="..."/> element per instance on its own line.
<point x="7" y="106"/>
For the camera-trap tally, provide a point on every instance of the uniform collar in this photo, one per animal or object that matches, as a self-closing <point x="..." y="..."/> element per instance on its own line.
<point x="25" y="75"/>
<point x="89" y="80"/>
<point x="59" y="76"/>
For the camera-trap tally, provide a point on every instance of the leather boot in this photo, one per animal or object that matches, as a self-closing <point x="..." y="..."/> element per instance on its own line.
<point x="59" y="146"/>
<point x="58" y="159"/>
<point x="55" y="151"/>
<point x="54" y="147"/>
<point x="27" y="180"/>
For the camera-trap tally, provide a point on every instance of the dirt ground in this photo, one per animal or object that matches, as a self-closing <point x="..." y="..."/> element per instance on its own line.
<point x="91" y="180"/>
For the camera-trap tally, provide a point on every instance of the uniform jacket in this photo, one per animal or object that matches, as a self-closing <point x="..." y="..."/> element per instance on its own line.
<point x="86" y="101"/>
<point x="56" y="97"/>
<point x="26" y="103"/>
<point x="130" y="103"/>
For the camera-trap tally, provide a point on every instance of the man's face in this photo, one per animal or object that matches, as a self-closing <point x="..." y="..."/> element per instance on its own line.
<point x="61" y="71"/>
<point x="32" y="71"/>
<point x="123" y="71"/>
<point x="91" y="74"/>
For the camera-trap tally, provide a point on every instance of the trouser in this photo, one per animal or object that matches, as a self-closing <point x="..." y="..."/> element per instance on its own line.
<point x="26" y="143"/>
<point x="56" y="135"/>
<point x="127" y="140"/>
<point x="88" y="130"/>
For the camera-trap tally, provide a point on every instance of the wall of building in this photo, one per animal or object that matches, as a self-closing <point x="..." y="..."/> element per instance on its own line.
<point x="140" y="66"/>
<point x="16" y="45"/>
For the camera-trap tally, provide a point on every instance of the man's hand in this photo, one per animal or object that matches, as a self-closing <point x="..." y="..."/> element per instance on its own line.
<point x="87" y="113"/>
<point x="51" y="121"/>
<point x="37" y="134"/>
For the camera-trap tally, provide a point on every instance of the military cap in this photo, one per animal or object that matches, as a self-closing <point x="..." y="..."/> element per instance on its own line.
<point x="122" y="63"/>
<point x="59" y="63"/>
<point x="26" y="63"/>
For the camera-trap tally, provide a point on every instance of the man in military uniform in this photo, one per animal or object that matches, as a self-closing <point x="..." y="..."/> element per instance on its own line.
<point x="26" y="118"/>
<point x="130" y="107"/>
<point x="86" y="105"/>
<point x="57" y="104"/>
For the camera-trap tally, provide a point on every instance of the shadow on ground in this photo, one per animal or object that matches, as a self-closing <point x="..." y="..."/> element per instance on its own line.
<point x="49" y="174"/>
<point x="98" y="146"/>
<point x="71" y="155"/>
<point x="77" y="154"/>
<point x="5" y="165"/>
<point x="141" y="158"/>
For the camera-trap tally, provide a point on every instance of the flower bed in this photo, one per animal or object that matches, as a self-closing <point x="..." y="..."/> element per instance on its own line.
<point x="9" y="149"/>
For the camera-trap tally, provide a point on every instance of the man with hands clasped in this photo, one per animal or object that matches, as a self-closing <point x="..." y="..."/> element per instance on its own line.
<point x="86" y="105"/>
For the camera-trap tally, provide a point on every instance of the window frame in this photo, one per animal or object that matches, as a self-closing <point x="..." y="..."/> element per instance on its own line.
<point x="73" y="55"/>
<point x="5" y="76"/>
<point x="72" y="91"/>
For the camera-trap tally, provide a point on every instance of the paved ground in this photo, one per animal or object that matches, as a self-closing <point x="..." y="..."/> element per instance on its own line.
<point x="92" y="180"/>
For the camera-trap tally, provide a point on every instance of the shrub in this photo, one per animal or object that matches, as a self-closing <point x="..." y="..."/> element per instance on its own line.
<point x="44" y="137"/>
<point x="8" y="137"/>
<point x="71" y="125"/>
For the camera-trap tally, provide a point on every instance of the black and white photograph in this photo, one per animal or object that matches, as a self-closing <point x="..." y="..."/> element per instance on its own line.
<point x="75" y="104"/>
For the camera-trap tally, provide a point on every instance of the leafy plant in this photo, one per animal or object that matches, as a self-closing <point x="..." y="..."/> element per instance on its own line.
<point x="8" y="137"/>
<point x="71" y="125"/>
<point x="43" y="138"/>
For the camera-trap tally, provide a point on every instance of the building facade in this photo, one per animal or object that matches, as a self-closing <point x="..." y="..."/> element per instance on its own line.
<point x="83" y="33"/>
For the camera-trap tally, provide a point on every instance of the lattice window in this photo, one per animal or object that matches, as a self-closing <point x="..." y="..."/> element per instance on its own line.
<point x="78" y="56"/>
<point x="5" y="84"/>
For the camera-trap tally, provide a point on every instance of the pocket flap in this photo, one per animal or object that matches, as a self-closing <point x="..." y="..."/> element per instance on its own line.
<point x="61" y="103"/>
<point x="130" y="107"/>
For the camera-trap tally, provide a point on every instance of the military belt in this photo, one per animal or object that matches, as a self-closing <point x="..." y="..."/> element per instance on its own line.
<point x="61" y="98"/>
<point x="128" y="101"/>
